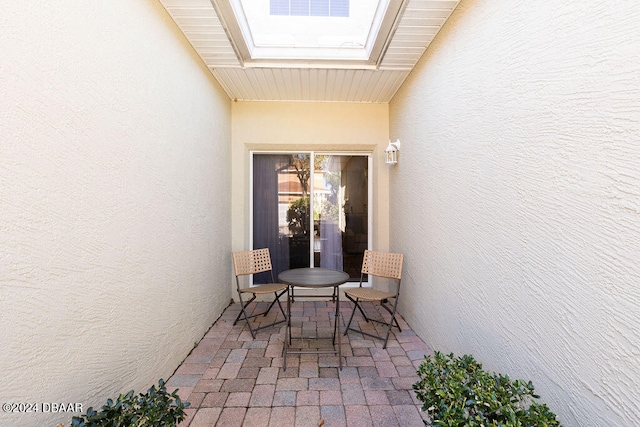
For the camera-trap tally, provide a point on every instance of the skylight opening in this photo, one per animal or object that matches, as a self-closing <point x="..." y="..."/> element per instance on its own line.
<point x="345" y="33"/>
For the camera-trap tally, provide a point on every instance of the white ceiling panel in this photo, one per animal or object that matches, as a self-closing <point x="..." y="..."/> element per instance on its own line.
<point x="432" y="15"/>
<point x="296" y="84"/>
<point x="434" y="4"/>
<point x="373" y="81"/>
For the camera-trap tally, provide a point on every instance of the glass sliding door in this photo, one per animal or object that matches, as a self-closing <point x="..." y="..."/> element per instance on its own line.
<point x="271" y="192"/>
<point x="311" y="209"/>
<point x="341" y="212"/>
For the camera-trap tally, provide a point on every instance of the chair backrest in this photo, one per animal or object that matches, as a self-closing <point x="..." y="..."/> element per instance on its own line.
<point x="382" y="264"/>
<point x="251" y="262"/>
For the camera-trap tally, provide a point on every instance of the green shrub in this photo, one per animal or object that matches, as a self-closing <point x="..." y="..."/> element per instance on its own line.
<point x="456" y="391"/>
<point x="155" y="408"/>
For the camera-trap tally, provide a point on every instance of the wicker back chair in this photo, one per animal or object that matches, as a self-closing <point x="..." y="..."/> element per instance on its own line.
<point x="252" y="262"/>
<point x="381" y="264"/>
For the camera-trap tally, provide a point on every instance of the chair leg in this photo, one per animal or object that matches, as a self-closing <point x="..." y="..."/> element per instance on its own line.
<point x="386" y="338"/>
<point x="276" y="299"/>
<point x="243" y="311"/>
<point x="271" y="305"/>
<point x="355" y="302"/>
<point x="362" y="312"/>
<point x="391" y="321"/>
<point x="392" y="313"/>
<point x="247" y="316"/>
<point x="242" y="307"/>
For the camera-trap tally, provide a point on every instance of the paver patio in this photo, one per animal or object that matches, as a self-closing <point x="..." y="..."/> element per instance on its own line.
<point x="231" y="379"/>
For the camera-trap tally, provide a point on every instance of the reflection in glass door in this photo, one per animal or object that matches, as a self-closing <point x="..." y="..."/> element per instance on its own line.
<point x="311" y="210"/>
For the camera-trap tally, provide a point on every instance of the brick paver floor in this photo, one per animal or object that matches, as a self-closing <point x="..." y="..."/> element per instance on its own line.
<point x="231" y="379"/>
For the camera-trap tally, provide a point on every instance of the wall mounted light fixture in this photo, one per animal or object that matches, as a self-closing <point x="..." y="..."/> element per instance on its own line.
<point x="391" y="152"/>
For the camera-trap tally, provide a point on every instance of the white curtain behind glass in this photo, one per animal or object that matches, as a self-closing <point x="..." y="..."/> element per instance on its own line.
<point x="330" y="232"/>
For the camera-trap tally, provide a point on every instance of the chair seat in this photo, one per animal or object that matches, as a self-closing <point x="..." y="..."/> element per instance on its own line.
<point x="248" y="263"/>
<point x="369" y="294"/>
<point x="381" y="264"/>
<point x="268" y="288"/>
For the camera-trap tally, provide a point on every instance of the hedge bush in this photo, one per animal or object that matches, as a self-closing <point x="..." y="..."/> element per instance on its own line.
<point x="456" y="391"/>
<point x="155" y="408"/>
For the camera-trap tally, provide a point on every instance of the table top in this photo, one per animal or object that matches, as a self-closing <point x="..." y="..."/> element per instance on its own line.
<point x="313" y="277"/>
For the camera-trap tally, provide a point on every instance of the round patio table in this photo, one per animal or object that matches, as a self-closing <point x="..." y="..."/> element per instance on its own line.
<point x="313" y="278"/>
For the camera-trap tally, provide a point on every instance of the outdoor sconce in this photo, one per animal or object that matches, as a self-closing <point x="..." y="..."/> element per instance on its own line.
<point x="391" y="152"/>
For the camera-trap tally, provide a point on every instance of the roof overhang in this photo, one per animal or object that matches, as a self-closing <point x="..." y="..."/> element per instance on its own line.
<point x="369" y="68"/>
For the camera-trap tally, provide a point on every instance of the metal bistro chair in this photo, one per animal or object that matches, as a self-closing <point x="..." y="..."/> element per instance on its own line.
<point x="250" y="263"/>
<point x="381" y="264"/>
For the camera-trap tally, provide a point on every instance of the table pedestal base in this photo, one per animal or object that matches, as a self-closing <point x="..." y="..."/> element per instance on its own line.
<point x="337" y="336"/>
<point x="313" y="278"/>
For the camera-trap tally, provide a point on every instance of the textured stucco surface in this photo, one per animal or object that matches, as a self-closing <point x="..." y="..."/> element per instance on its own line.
<point x="516" y="199"/>
<point x="114" y="191"/>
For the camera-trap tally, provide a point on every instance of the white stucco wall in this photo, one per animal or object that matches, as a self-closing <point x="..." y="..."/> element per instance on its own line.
<point x="309" y="126"/>
<point x="114" y="188"/>
<point x="517" y="198"/>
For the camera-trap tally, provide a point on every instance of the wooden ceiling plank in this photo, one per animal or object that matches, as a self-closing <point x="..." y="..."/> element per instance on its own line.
<point x="221" y="75"/>
<point x="441" y="14"/>
<point x="434" y="4"/>
<point x="185" y="3"/>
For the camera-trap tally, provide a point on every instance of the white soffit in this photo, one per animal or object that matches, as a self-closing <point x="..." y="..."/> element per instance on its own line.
<point x="368" y="65"/>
